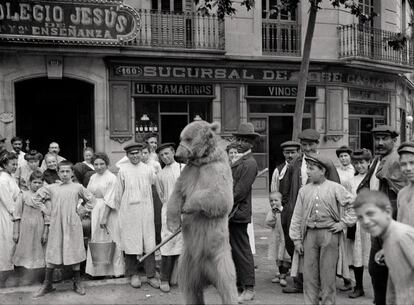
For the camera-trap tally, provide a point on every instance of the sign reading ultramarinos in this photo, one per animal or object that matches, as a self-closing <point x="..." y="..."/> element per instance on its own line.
<point x="94" y="22"/>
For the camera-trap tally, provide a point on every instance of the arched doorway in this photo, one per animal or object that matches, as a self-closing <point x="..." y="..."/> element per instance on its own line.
<point x="58" y="110"/>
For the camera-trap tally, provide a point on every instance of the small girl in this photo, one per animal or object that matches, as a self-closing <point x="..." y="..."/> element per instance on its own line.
<point x="358" y="241"/>
<point x="50" y="174"/>
<point x="277" y="251"/>
<point x="23" y="173"/>
<point x="31" y="227"/>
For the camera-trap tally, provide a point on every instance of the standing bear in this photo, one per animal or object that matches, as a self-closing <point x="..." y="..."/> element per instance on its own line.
<point x="200" y="204"/>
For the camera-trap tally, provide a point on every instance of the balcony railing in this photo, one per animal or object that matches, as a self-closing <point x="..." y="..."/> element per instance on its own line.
<point x="179" y="30"/>
<point x="281" y="38"/>
<point x="362" y="42"/>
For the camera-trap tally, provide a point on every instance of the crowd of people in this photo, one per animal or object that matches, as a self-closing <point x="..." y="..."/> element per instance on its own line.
<point x="324" y="220"/>
<point x="328" y="220"/>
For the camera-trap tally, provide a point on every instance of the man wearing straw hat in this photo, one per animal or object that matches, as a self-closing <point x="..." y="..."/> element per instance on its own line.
<point x="244" y="171"/>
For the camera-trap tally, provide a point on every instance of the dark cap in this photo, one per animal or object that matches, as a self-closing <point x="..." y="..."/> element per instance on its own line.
<point x="133" y="146"/>
<point x="385" y="129"/>
<point x="290" y="144"/>
<point x="319" y="159"/>
<point x="165" y="145"/>
<point x="406" y="147"/>
<point x="309" y="135"/>
<point x="361" y="154"/>
<point x="343" y="149"/>
<point x="2" y="139"/>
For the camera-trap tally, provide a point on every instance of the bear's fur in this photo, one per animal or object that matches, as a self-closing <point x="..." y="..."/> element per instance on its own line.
<point x="200" y="203"/>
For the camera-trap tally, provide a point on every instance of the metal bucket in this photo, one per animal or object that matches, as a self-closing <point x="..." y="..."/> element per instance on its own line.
<point x="102" y="252"/>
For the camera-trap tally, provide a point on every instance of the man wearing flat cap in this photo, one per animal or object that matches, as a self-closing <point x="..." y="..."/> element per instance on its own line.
<point x="290" y="150"/>
<point x="165" y="183"/>
<point x="346" y="170"/>
<point x="244" y="171"/>
<point x="136" y="214"/>
<point x="322" y="212"/>
<point x="384" y="175"/>
<point x="296" y="178"/>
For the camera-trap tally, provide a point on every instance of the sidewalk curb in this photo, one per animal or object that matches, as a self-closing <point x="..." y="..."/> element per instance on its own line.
<point x="90" y="283"/>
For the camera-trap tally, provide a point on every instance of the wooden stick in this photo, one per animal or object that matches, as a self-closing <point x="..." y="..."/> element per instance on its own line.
<point x="160" y="245"/>
<point x="179" y="230"/>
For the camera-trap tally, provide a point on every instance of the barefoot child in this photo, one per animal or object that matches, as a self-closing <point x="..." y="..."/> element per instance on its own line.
<point x="65" y="243"/>
<point x="31" y="227"/>
<point x="374" y="213"/>
<point x="277" y="251"/>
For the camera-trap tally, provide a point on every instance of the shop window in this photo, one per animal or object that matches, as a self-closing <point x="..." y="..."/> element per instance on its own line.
<point x="363" y="117"/>
<point x="167" y="117"/>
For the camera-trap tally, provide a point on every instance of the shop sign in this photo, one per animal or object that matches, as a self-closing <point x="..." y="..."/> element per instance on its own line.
<point x="249" y="74"/>
<point x="277" y="91"/>
<point x="173" y="89"/>
<point x="366" y="95"/>
<point x="101" y="22"/>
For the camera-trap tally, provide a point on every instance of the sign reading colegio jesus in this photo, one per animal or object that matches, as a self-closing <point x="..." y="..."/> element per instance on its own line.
<point x="68" y="21"/>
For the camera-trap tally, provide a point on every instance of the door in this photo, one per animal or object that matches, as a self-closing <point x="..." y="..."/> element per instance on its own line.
<point x="56" y="111"/>
<point x="280" y="130"/>
<point x="171" y="127"/>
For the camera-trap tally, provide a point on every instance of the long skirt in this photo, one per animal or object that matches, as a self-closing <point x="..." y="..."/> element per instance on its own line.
<point x="6" y="240"/>
<point x="117" y="267"/>
<point x="358" y="249"/>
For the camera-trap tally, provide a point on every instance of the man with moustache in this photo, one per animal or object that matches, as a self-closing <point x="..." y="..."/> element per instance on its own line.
<point x="384" y="175"/>
<point x="290" y="150"/>
<point x="54" y="150"/>
<point x="295" y="179"/>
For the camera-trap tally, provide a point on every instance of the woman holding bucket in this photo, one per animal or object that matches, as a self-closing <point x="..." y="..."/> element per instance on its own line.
<point x="105" y="226"/>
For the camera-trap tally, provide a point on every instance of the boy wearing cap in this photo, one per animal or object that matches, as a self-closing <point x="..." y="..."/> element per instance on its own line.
<point x="405" y="199"/>
<point x="345" y="171"/>
<point x="290" y="150"/>
<point x="136" y="214"/>
<point x="323" y="210"/>
<point x="296" y="178"/>
<point x="165" y="183"/>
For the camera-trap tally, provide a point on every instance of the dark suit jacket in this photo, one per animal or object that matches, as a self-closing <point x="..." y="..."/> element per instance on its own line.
<point x="390" y="177"/>
<point x="244" y="173"/>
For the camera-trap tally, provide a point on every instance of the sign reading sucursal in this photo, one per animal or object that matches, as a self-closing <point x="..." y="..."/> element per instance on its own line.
<point x="68" y="21"/>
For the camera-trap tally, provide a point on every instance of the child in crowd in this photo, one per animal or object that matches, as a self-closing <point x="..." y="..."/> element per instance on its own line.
<point x="50" y="174"/>
<point x="65" y="244"/>
<point x="31" y="227"/>
<point x="374" y="213"/>
<point x="277" y="251"/>
<point x="358" y="241"/>
<point x="23" y="173"/>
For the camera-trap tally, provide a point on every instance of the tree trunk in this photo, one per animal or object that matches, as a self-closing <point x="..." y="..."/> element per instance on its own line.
<point x="303" y="73"/>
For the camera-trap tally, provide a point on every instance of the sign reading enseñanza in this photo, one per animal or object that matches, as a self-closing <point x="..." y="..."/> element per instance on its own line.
<point x="64" y="21"/>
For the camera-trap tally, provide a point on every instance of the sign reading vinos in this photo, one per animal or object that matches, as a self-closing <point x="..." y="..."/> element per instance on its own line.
<point x="96" y="22"/>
